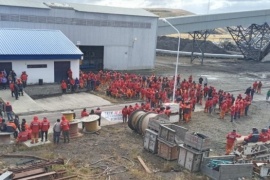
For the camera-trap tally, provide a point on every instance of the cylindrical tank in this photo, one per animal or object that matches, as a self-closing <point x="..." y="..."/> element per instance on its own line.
<point x="68" y="115"/>
<point x="91" y="123"/>
<point x="138" y="120"/>
<point x="134" y="117"/>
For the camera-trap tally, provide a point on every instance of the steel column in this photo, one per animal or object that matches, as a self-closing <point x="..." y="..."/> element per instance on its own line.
<point x="199" y="39"/>
<point x="253" y="42"/>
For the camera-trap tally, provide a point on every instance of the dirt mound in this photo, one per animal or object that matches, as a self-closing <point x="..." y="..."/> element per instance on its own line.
<point x="171" y="43"/>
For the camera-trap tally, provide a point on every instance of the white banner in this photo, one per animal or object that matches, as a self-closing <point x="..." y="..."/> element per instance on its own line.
<point x="112" y="115"/>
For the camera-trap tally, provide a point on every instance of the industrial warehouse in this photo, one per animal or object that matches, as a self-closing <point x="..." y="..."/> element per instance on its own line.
<point x="109" y="37"/>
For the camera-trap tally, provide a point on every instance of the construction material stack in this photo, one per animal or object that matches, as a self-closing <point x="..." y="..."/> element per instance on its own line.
<point x="225" y="167"/>
<point x="151" y="133"/>
<point x="170" y="136"/>
<point x="191" y="153"/>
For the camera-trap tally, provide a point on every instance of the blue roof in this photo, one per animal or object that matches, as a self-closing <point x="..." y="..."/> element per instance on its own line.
<point x="36" y="44"/>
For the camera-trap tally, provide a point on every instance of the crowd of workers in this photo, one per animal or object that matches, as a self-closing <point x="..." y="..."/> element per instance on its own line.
<point x="90" y="81"/>
<point x="35" y="130"/>
<point x="155" y="91"/>
<point x="15" y="84"/>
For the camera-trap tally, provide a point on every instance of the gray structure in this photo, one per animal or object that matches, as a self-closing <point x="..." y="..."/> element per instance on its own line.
<point x="211" y="21"/>
<point x="110" y="37"/>
<point x="249" y="29"/>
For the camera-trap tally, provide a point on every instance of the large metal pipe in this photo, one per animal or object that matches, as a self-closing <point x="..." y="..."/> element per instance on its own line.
<point x="225" y="56"/>
<point x="139" y="119"/>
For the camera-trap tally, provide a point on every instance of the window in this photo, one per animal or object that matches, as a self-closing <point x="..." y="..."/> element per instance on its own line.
<point x="37" y="66"/>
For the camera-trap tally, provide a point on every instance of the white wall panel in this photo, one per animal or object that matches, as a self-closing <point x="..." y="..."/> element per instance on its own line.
<point x="34" y="74"/>
<point x="47" y="74"/>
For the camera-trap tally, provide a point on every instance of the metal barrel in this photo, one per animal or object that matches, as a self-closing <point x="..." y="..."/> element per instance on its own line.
<point x="134" y="117"/>
<point x="139" y="119"/>
<point x="144" y="120"/>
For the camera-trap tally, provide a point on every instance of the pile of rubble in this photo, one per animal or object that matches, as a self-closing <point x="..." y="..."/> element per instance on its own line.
<point x="32" y="167"/>
<point x="258" y="154"/>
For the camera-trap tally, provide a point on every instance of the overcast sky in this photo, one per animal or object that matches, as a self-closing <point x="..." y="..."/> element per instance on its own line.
<point x="195" y="6"/>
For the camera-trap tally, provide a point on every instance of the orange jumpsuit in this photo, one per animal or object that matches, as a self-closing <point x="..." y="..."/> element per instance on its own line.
<point x="223" y="110"/>
<point x="35" y="127"/>
<point x="187" y="111"/>
<point x="231" y="137"/>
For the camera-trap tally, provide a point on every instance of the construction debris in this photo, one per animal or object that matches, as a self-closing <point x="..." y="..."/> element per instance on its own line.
<point x="144" y="165"/>
<point x="34" y="168"/>
<point x="258" y="154"/>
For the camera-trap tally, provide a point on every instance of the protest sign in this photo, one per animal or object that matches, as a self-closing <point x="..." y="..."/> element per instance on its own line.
<point x="112" y="115"/>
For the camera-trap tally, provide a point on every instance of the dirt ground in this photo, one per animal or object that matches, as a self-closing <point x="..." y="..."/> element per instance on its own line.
<point x="117" y="141"/>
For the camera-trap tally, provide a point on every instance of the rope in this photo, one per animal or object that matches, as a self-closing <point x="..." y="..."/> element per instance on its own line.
<point x="115" y="168"/>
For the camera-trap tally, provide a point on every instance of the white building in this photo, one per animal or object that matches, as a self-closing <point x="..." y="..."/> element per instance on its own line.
<point x="110" y="37"/>
<point x="43" y="54"/>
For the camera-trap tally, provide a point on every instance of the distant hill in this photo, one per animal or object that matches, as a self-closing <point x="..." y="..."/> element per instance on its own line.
<point x="164" y="12"/>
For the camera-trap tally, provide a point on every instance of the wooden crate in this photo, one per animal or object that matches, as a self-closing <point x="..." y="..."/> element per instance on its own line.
<point x="150" y="141"/>
<point x="197" y="142"/>
<point x="227" y="171"/>
<point x="167" y="150"/>
<point x="190" y="158"/>
<point x="172" y="133"/>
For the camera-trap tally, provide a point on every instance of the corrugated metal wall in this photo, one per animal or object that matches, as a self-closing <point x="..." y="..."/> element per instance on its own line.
<point x="129" y="41"/>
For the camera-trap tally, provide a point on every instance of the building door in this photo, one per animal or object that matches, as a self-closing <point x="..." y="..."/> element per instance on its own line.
<point x="93" y="57"/>
<point x="60" y="70"/>
<point x="7" y="66"/>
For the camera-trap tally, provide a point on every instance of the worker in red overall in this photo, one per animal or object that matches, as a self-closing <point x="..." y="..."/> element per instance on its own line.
<point x="84" y="113"/>
<point x="233" y="110"/>
<point x="35" y="127"/>
<point x="264" y="136"/>
<point x="98" y="112"/>
<point x="223" y="110"/>
<point x="125" y="114"/>
<point x="12" y="88"/>
<point x="44" y="126"/>
<point x="65" y="129"/>
<point x="64" y="86"/>
<point x="231" y="137"/>
<point x="22" y="136"/>
<point x="24" y="78"/>
<point x="168" y="111"/>
<point x="130" y="110"/>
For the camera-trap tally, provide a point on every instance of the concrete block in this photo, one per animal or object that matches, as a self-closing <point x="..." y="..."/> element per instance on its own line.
<point x="28" y="143"/>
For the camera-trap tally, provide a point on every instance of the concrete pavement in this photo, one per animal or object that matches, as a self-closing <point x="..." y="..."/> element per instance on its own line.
<point x="26" y="105"/>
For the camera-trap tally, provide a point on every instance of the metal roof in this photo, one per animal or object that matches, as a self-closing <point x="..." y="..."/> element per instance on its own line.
<point x="78" y="7"/>
<point x="112" y="10"/>
<point x="36" y="44"/>
<point x="23" y="3"/>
